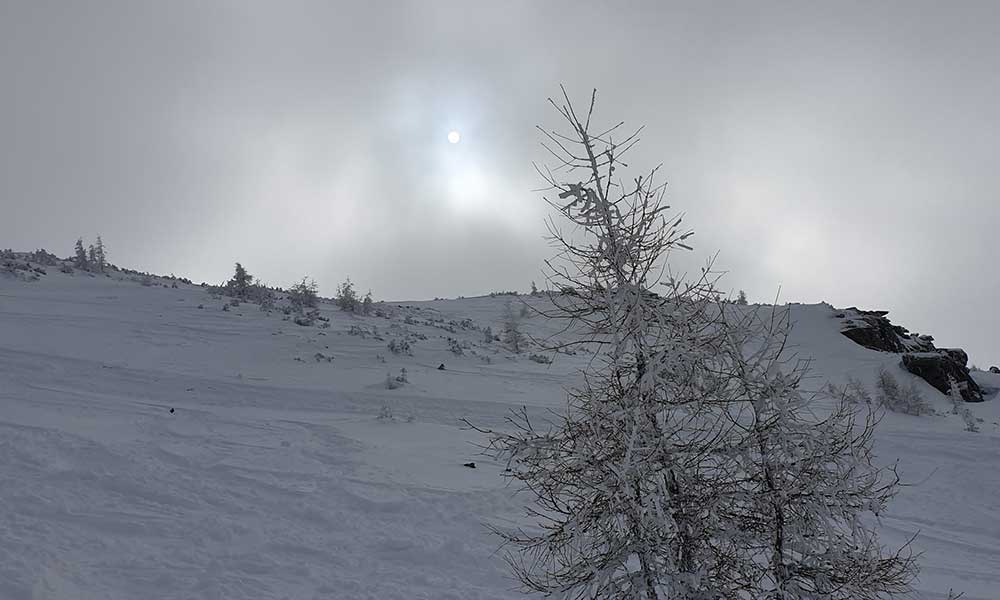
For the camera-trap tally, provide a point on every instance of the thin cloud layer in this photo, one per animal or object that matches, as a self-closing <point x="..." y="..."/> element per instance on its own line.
<point x="844" y="153"/>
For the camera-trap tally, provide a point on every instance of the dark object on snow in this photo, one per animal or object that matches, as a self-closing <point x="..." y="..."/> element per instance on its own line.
<point x="171" y="411"/>
<point x="471" y="465"/>
<point x="938" y="368"/>
<point x="871" y="329"/>
<point x="441" y="367"/>
<point x="995" y="370"/>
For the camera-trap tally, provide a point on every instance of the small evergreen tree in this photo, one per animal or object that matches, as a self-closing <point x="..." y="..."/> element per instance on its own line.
<point x="80" y="259"/>
<point x="512" y="335"/>
<point x="741" y="299"/>
<point x="346" y="298"/>
<point x="100" y="256"/>
<point x="366" y="304"/>
<point x="304" y="295"/>
<point x="686" y="465"/>
<point x="240" y="284"/>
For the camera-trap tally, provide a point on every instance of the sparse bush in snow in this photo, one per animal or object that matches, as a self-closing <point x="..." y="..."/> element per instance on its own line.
<point x="540" y="359"/>
<point x="907" y="400"/>
<point x="488" y="335"/>
<point x="512" y="335"/>
<point x="741" y="298"/>
<point x="42" y="257"/>
<point x="303" y="294"/>
<point x="385" y="411"/>
<point x="266" y="303"/>
<point x="455" y="347"/>
<point x="854" y="392"/>
<point x="307" y="319"/>
<point x="400" y="346"/>
<point x="396" y="382"/>
<point x="367" y="303"/>
<point x="21" y="269"/>
<point x="958" y="406"/>
<point x="346" y="298"/>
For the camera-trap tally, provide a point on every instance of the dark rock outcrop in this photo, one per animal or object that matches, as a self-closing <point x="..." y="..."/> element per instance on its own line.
<point x="871" y="329"/>
<point x="995" y="370"/>
<point x="937" y="366"/>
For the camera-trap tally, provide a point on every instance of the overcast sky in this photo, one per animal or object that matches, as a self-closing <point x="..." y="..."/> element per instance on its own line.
<point x="844" y="152"/>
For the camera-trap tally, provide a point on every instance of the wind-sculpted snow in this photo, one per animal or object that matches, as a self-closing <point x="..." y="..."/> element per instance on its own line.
<point x="273" y="478"/>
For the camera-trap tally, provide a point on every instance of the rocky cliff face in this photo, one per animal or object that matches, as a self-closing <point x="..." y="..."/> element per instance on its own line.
<point x="937" y="366"/>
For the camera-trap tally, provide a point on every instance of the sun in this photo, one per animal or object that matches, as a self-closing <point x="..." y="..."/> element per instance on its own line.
<point x="453" y="137"/>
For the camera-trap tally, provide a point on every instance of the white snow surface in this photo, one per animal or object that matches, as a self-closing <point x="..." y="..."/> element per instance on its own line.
<point x="274" y="479"/>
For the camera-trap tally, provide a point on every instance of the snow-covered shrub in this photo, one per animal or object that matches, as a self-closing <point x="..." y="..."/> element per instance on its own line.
<point x="385" y="411"/>
<point x="907" y="400"/>
<point x="267" y="303"/>
<point x="512" y="335"/>
<point x="20" y="269"/>
<point x="400" y="346"/>
<point x="42" y="257"/>
<point x="856" y="391"/>
<point x="488" y="335"/>
<point x="540" y="359"/>
<point x="959" y="408"/>
<point x="395" y="382"/>
<point x="307" y="319"/>
<point x="346" y="298"/>
<point x="303" y="294"/>
<point x="455" y="347"/>
<point x="741" y="298"/>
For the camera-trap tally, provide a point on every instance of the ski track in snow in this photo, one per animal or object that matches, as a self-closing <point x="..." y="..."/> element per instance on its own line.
<point x="274" y="480"/>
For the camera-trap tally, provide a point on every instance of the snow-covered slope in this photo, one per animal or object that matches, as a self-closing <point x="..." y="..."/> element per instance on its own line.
<point x="274" y="478"/>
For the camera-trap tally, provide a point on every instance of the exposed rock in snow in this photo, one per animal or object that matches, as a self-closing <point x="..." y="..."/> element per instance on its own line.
<point x="872" y="329"/>
<point x="938" y="368"/>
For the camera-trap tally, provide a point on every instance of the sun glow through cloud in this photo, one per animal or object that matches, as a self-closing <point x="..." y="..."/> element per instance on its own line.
<point x="454" y="137"/>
